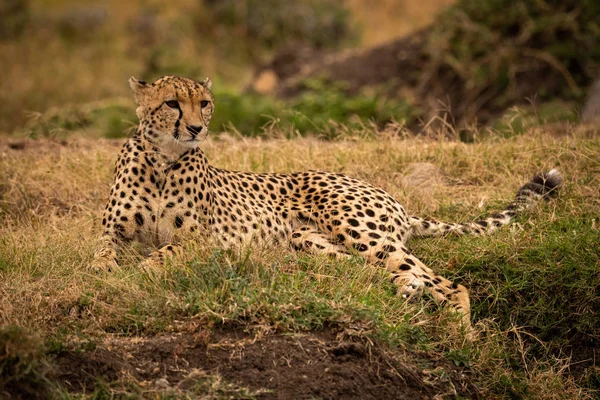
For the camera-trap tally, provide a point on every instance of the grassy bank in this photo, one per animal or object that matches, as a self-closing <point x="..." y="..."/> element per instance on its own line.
<point x="533" y="286"/>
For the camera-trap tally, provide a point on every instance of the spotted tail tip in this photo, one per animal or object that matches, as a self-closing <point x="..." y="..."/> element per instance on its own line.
<point x="545" y="184"/>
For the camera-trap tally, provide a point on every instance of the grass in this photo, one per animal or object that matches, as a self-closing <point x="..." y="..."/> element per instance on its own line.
<point x="254" y="115"/>
<point x="533" y="286"/>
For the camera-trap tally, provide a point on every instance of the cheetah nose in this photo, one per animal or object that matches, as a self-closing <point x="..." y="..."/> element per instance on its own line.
<point x="194" y="129"/>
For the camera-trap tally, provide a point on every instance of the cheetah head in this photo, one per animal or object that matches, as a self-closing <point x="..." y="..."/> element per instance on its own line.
<point x="174" y="112"/>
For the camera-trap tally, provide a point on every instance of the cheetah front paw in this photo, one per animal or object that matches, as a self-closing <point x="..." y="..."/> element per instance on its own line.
<point x="99" y="265"/>
<point x="153" y="267"/>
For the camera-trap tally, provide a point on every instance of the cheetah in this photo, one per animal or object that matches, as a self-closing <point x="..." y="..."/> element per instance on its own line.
<point x="165" y="188"/>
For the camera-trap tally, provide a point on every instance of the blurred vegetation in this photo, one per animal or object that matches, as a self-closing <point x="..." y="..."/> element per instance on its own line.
<point x="519" y="120"/>
<point x="501" y="50"/>
<point x="14" y="15"/>
<point x="273" y="23"/>
<point x="61" y="58"/>
<point x="250" y="114"/>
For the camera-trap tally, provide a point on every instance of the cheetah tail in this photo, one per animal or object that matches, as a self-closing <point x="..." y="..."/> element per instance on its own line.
<point x="542" y="186"/>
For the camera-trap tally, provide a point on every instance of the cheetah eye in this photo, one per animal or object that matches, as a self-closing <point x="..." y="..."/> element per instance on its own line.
<point x="203" y="103"/>
<point x="172" y="103"/>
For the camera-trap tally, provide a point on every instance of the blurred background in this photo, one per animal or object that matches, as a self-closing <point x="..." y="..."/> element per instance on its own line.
<point x="304" y="66"/>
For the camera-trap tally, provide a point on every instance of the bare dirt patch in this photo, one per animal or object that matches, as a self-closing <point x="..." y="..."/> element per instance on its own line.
<point x="299" y="366"/>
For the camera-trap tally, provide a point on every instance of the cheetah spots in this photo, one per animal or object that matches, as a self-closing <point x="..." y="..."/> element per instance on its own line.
<point x="391" y="249"/>
<point x="119" y="227"/>
<point x="353" y="222"/>
<point x="139" y="219"/>
<point x="405" y="267"/>
<point x="353" y="234"/>
<point x="178" y="222"/>
<point x="360" y="247"/>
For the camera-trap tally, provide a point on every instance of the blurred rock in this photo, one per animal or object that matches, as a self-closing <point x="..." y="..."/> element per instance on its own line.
<point x="286" y="63"/>
<point x="422" y="176"/>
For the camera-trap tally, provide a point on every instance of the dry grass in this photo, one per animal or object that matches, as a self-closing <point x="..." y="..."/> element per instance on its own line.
<point x="52" y="193"/>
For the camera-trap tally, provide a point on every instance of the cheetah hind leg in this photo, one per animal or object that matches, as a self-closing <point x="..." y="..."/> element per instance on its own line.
<point x="408" y="273"/>
<point x="311" y="240"/>
<point x="413" y="277"/>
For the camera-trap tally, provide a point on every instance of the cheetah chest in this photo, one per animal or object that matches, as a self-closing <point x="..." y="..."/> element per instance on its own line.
<point x="177" y="206"/>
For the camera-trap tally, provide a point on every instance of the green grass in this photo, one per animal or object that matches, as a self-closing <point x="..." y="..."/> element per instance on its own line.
<point x="533" y="286"/>
<point x="319" y="110"/>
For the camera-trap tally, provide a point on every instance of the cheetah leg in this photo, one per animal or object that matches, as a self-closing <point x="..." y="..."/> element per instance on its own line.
<point x="413" y="277"/>
<point x="155" y="261"/>
<point x="407" y="272"/>
<point x="310" y="239"/>
<point x="105" y="256"/>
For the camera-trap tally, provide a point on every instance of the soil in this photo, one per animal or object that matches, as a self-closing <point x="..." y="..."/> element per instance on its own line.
<point x="584" y="354"/>
<point x="277" y="366"/>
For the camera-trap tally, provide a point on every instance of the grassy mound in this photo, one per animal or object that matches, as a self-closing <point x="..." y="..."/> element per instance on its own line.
<point x="533" y="286"/>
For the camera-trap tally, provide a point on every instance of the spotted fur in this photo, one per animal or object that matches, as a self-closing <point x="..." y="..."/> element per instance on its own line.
<point x="165" y="188"/>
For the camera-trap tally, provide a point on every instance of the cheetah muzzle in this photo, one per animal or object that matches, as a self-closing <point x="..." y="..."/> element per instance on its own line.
<point x="165" y="188"/>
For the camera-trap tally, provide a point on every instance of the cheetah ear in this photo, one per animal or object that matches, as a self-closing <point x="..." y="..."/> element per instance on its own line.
<point x="138" y="88"/>
<point x="207" y="83"/>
